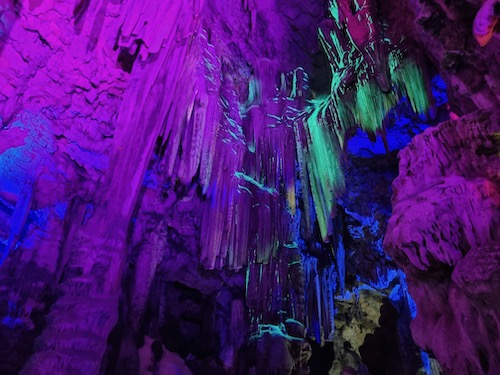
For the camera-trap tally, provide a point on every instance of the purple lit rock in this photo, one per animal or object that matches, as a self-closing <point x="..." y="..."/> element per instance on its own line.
<point x="444" y="233"/>
<point x="148" y="185"/>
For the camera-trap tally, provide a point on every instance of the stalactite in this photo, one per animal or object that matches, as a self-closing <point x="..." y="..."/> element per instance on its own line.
<point x="246" y="159"/>
<point x="323" y="163"/>
<point x="371" y="106"/>
<point x="224" y="226"/>
<point x="19" y="217"/>
<point x="202" y="112"/>
<point x="340" y="257"/>
<point x="409" y="78"/>
<point x="260" y="158"/>
<point x="321" y="286"/>
<point x="329" y="284"/>
<point x="356" y="99"/>
<point x="312" y="298"/>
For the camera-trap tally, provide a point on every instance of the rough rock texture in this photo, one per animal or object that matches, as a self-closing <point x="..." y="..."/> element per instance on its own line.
<point x="442" y="31"/>
<point x="374" y="311"/>
<point x="150" y="218"/>
<point x="61" y="86"/>
<point x="444" y="234"/>
<point x="98" y="215"/>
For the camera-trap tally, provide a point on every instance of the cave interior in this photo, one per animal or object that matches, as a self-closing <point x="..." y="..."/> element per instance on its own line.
<point x="249" y="187"/>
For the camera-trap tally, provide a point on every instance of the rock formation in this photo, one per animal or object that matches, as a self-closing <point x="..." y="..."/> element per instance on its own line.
<point x="191" y="187"/>
<point x="444" y="234"/>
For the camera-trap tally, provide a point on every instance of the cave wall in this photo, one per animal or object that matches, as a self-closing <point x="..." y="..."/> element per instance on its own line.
<point x="443" y="32"/>
<point x="446" y="238"/>
<point x="101" y="258"/>
<point x="443" y="233"/>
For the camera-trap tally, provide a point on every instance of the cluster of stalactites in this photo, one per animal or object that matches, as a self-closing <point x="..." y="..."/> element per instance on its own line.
<point x="275" y="291"/>
<point x="357" y="98"/>
<point x="242" y="155"/>
<point x="251" y="197"/>
<point x="251" y="157"/>
<point x="320" y="288"/>
<point x="188" y="134"/>
<point x="366" y="77"/>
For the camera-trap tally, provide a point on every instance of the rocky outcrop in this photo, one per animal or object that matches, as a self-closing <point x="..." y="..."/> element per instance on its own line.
<point x="444" y="234"/>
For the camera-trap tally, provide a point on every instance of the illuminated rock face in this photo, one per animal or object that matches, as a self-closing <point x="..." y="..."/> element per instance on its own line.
<point x="165" y="185"/>
<point x="110" y="110"/>
<point x="444" y="234"/>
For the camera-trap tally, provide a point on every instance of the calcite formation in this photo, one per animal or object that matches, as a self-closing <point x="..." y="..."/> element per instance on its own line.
<point x="185" y="185"/>
<point x="444" y="234"/>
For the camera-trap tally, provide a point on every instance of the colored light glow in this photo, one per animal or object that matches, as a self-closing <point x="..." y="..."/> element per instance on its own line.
<point x="323" y="156"/>
<point x="356" y="100"/>
<point x="246" y="154"/>
<point x="409" y="78"/>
